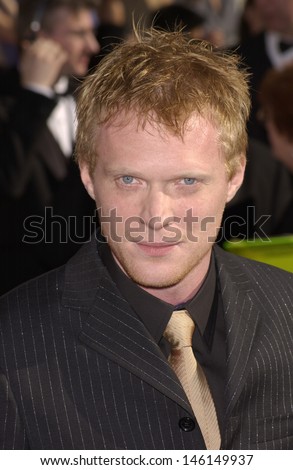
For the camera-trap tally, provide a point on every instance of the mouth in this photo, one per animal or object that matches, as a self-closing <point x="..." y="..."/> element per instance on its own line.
<point x="156" y="249"/>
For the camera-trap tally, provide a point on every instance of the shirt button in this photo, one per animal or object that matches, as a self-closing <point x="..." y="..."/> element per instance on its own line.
<point x="186" y="424"/>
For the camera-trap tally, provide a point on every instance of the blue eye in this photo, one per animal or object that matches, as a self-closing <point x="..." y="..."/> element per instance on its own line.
<point x="189" y="181"/>
<point x="127" y="179"/>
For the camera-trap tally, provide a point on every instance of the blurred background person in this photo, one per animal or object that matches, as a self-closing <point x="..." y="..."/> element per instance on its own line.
<point x="276" y="97"/>
<point x="267" y="190"/>
<point x="112" y="27"/>
<point x="222" y="19"/>
<point x="271" y="48"/>
<point x="251" y="21"/>
<point x="39" y="181"/>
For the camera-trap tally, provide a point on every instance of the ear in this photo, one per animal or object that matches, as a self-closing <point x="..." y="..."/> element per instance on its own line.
<point x="236" y="179"/>
<point x="87" y="180"/>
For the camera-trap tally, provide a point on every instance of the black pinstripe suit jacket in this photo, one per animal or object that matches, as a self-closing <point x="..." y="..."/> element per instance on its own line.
<point x="80" y="371"/>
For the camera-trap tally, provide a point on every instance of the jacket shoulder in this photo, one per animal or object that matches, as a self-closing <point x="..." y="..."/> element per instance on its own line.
<point x="259" y="276"/>
<point x="71" y="285"/>
<point x="38" y="296"/>
<point x="223" y="256"/>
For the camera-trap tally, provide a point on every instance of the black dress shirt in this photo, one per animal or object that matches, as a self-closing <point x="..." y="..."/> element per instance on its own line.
<point x="206" y="310"/>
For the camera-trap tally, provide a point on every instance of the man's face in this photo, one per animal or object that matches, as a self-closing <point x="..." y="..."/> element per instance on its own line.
<point x="277" y="15"/>
<point x="164" y="197"/>
<point x="75" y="33"/>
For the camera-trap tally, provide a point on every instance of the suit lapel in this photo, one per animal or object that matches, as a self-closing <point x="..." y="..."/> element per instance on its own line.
<point x="242" y="312"/>
<point x="113" y="329"/>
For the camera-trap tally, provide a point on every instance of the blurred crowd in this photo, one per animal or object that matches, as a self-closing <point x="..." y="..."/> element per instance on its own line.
<point x="48" y="46"/>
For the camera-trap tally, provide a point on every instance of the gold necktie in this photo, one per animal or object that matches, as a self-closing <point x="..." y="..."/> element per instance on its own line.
<point x="179" y="333"/>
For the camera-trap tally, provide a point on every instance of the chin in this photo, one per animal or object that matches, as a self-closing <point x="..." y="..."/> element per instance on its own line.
<point x="81" y="73"/>
<point x="163" y="282"/>
<point x="79" y="70"/>
<point x="156" y="275"/>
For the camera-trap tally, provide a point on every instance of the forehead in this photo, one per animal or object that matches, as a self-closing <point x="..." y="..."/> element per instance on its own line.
<point x="133" y="123"/>
<point x="64" y="18"/>
<point x="141" y="141"/>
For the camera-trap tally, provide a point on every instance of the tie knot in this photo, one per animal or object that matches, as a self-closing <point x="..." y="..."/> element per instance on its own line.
<point x="180" y="329"/>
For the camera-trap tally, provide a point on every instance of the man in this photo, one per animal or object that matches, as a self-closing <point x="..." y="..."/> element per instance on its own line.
<point x="277" y="105"/>
<point x="37" y="132"/>
<point x="272" y="48"/>
<point x="269" y="192"/>
<point x="85" y="349"/>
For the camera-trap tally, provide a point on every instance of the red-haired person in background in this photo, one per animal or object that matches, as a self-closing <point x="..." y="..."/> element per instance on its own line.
<point x="276" y="96"/>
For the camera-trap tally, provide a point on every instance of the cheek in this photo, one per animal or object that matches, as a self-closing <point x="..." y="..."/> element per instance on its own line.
<point x="71" y="52"/>
<point x="203" y="214"/>
<point x="212" y="203"/>
<point x="103" y="202"/>
<point x="62" y="41"/>
<point x="110" y="203"/>
<point x="71" y="48"/>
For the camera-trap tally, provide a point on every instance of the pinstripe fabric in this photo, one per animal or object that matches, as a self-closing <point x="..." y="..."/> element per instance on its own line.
<point x="78" y="370"/>
<point x="259" y="319"/>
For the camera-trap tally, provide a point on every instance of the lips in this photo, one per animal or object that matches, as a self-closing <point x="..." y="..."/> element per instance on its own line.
<point x="156" y="249"/>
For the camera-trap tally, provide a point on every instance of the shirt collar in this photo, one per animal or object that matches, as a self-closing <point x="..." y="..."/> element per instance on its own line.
<point x="155" y="313"/>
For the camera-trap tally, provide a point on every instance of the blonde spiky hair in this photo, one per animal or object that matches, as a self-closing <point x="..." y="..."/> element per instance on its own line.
<point x="165" y="78"/>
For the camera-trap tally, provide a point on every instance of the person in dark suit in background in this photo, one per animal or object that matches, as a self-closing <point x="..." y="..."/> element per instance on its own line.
<point x="276" y="97"/>
<point x="85" y="349"/>
<point x="112" y="27"/>
<point x="270" y="48"/>
<point x="37" y="134"/>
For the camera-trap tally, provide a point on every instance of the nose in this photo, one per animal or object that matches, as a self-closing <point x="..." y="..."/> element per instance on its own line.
<point x="92" y="44"/>
<point x="157" y="210"/>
